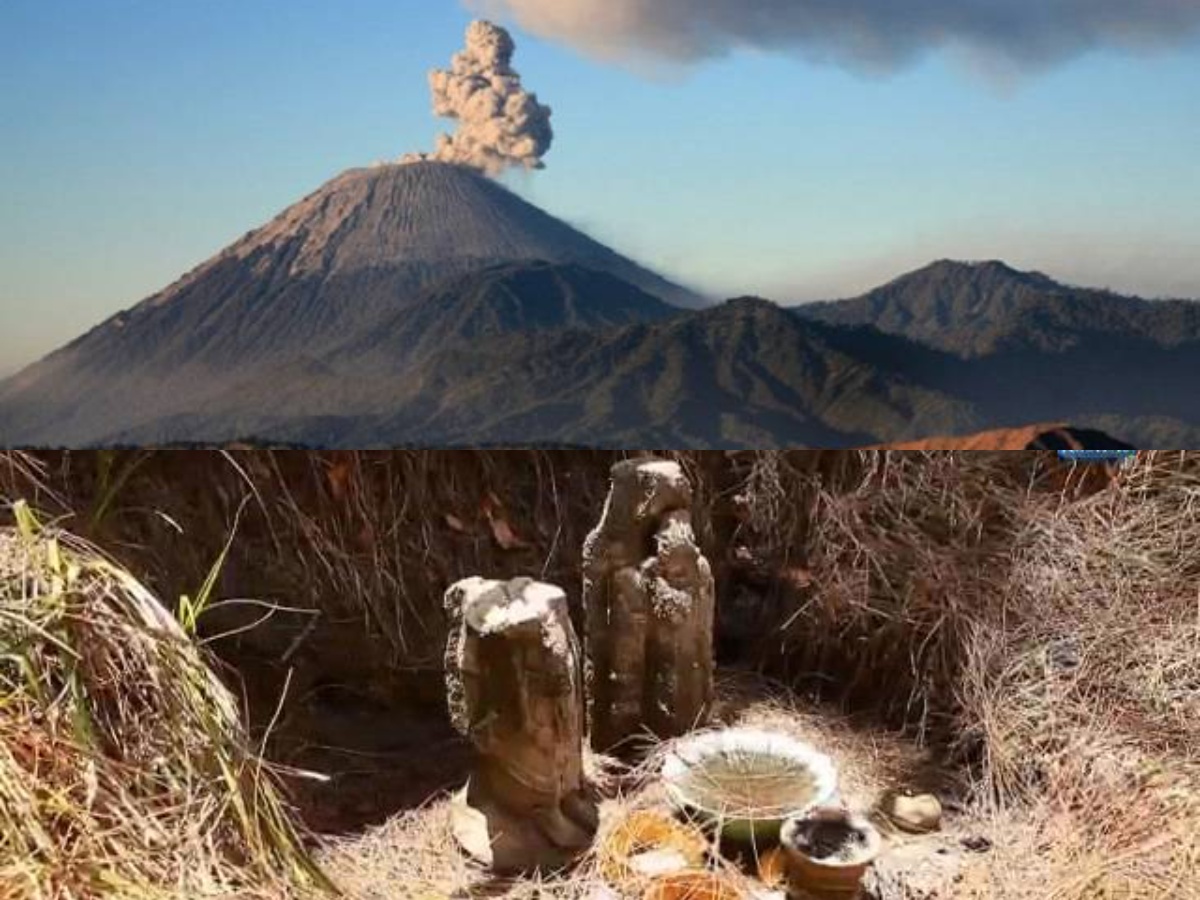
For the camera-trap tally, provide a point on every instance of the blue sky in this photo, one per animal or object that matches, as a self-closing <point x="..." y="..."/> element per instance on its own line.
<point x="139" y="137"/>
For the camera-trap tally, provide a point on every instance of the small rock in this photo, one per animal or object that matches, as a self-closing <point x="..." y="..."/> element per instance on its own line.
<point x="977" y="843"/>
<point x="917" y="815"/>
<point x="1064" y="655"/>
<point x="925" y="869"/>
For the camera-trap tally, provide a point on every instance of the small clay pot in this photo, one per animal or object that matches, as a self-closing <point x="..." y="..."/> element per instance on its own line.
<point x="828" y="852"/>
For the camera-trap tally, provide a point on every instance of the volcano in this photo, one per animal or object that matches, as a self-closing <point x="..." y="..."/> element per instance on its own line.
<point x="327" y="272"/>
<point x="424" y="304"/>
<point x="365" y="244"/>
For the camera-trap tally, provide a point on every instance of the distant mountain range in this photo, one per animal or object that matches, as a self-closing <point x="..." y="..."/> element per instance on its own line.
<point x="982" y="309"/>
<point x="424" y="304"/>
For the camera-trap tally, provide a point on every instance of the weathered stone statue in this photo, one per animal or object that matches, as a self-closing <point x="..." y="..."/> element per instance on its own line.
<point x="648" y="609"/>
<point x="514" y="678"/>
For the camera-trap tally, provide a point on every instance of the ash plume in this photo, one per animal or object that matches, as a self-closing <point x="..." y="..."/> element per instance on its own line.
<point x="500" y="124"/>
<point x="871" y="34"/>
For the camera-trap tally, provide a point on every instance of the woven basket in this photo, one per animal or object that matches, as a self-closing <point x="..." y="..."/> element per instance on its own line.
<point x="694" y="885"/>
<point x="645" y="830"/>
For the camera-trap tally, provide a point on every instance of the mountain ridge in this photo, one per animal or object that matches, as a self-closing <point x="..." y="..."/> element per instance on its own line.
<point x="328" y="268"/>
<point x="507" y="298"/>
<point x="346" y="321"/>
<point x="744" y="373"/>
<point x="973" y="309"/>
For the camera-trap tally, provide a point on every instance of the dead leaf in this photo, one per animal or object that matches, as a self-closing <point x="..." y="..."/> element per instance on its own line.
<point x="455" y="522"/>
<point x="505" y="536"/>
<point x="366" y="537"/>
<point x="493" y="510"/>
<point x="798" y="577"/>
<point x="339" y="479"/>
<point x="91" y="783"/>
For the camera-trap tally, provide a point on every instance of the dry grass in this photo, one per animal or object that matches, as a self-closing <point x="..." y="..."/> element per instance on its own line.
<point x="123" y="769"/>
<point x="1046" y="638"/>
<point x="415" y="848"/>
<point x="1087" y="706"/>
<point x="1054" y="640"/>
<point x="899" y="552"/>
<point x="23" y="476"/>
<point x="368" y="540"/>
<point x="353" y="550"/>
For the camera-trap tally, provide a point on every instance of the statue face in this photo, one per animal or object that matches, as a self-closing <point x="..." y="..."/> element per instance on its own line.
<point x="677" y="555"/>
<point x="660" y="497"/>
<point x="678" y="565"/>
<point x="556" y="679"/>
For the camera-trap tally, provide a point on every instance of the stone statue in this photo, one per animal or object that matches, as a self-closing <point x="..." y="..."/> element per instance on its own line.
<point x="648" y="601"/>
<point x="514" y="685"/>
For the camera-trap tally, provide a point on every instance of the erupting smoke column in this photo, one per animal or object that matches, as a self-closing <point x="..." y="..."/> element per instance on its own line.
<point x="500" y="124"/>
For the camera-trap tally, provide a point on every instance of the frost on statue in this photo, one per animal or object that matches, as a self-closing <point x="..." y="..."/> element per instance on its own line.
<point x="648" y="608"/>
<point x="514" y="683"/>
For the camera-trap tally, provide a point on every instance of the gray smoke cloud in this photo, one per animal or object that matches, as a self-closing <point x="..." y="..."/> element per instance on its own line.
<point x="500" y="124"/>
<point x="873" y="34"/>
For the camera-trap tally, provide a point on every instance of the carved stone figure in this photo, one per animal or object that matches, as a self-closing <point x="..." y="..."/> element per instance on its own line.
<point x="648" y="603"/>
<point x="514" y="684"/>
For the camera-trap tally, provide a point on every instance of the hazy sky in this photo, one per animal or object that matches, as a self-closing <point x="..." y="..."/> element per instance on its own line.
<point x="138" y="137"/>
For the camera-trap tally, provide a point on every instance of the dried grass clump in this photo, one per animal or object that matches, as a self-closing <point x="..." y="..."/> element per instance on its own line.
<point x="1096" y="674"/>
<point x="645" y="830"/>
<point x="900" y="554"/>
<point x="1087" y="705"/>
<point x="124" y="771"/>
<point x="361" y="543"/>
<point x="1051" y="637"/>
<point x="24" y="477"/>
